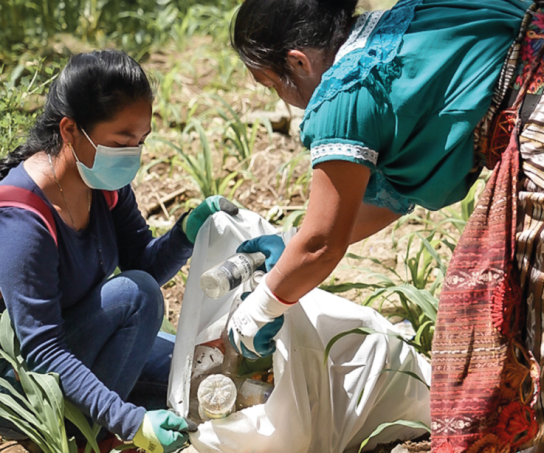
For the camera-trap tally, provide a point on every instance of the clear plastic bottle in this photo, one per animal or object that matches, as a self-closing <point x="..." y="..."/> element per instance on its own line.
<point x="216" y="397"/>
<point x="252" y="392"/>
<point x="232" y="360"/>
<point x="220" y="279"/>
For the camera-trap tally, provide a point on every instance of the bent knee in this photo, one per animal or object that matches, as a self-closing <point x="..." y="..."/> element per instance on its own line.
<point x="141" y="290"/>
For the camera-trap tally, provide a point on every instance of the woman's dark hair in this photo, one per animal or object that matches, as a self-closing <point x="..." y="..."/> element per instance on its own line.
<point x="91" y="89"/>
<point x="263" y="31"/>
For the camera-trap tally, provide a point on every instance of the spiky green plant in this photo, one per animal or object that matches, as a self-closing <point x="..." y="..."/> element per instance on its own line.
<point x="37" y="406"/>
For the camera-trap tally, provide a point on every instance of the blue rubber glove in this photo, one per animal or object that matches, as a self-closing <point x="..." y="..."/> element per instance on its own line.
<point x="256" y="322"/>
<point x="196" y="218"/>
<point x="270" y="245"/>
<point x="163" y="431"/>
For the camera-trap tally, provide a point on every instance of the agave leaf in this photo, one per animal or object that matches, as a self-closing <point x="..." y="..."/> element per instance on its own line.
<point x="362" y="331"/>
<point x="53" y="403"/>
<point x="167" y="326"/>
<point x="432" y="251"/>
<point x="235" y="188"/>
<point x="9" y="402"/>
<point x="408" y="423"/>
<point x="409" y="373"/>
<point x="293" y="219"/>
<point x="51" y="389"/>
<point x="72" y="413"/>
<point x="225" y="182"/>
<point x="426" y="326"/>
<point x="72" y="446"/>
<point x="31" y="427"/>
<point x="421" y="297"/>
<point x="15" y="364"/>
<point x="343" y="287"/>
<point x="32" y="392"/>
<point x="5" y="384"/>
<point x="7" y="336"/>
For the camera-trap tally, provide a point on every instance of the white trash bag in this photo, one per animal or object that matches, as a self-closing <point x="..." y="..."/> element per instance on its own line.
<point x="315" y="406"/>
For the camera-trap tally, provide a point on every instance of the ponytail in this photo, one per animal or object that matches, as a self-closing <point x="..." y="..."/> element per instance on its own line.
<point x="264" y="31"/>
<point x="91" y="89"/>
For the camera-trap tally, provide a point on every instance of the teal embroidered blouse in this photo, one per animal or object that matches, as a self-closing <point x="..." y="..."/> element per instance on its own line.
<point x="405" y="94"/>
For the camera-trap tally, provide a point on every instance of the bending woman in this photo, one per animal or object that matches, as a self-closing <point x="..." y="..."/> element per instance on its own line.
<point x="395" y="103"/>
<point x="98" y="333"/>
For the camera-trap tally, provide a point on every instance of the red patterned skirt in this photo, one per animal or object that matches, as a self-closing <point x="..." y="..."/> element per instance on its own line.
<point x="487" y="349"/>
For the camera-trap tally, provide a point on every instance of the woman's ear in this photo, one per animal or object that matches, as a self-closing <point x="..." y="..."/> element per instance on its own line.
<point x="300" y="63"/>
<point x="68" y="130"/>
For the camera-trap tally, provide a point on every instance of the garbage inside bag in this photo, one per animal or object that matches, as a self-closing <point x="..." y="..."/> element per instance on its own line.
<point x="216" y="397"/>
<point x="315" y="406"/>
<point x="215" y="377"/>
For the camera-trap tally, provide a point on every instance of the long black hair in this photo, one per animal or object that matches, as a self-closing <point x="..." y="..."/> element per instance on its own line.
<point x="92" y="88"/>
<point x="263" y="31"/>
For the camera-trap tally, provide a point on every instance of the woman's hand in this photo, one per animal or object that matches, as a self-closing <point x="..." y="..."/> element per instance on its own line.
<point x="196" y="218"/>
<point x="163" y="431"/>
<point x="270" y="245"/>
<point x="256" y="322"/>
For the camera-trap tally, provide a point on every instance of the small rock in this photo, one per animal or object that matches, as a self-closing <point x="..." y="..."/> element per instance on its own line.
<point x="285" y="118"/>
<point x="279" y="122"/>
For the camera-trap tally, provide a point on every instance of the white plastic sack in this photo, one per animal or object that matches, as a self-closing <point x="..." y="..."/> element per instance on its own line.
<point x="315" y="406"/>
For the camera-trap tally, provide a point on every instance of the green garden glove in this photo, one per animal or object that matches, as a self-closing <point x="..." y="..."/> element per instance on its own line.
<point x="196" y="218"/>
<point x="163" y="431"/>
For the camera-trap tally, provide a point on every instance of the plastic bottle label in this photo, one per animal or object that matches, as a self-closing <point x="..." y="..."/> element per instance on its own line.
<point x="237" y="269"/>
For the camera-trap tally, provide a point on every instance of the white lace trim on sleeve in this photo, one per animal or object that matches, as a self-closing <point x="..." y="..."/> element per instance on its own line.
<point x="356" y="152"/>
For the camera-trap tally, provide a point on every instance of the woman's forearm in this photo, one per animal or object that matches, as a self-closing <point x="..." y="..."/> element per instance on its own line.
<point x="305" y="263"/>
<point x="337" y="190"/>
<point x="310" y="260"/>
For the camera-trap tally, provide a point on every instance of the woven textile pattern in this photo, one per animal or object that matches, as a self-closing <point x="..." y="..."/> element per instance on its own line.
<point x="485" y="393"/>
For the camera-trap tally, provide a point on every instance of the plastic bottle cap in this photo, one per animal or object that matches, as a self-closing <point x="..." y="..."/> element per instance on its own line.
<point x="217" y="396"/>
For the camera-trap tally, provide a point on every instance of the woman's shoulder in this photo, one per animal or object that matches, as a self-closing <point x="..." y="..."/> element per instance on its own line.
<point x="374" y="41"/>
<point x="357" y="115"/>
<point x="19" y="177"/>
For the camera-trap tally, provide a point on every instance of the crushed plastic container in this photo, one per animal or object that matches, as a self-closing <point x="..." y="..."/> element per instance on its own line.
<point x="252" y="392"/>
<point x="216" y="397"/>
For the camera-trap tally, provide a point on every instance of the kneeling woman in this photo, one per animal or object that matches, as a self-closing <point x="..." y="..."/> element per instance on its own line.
<point x="98" y="333"/>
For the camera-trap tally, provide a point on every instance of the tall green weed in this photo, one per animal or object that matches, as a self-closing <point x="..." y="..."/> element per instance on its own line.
<point x="36" y="405"/>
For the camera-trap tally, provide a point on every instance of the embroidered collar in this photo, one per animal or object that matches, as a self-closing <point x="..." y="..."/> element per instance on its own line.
<point x="365" y="25"/>
<point x="374" y="40"/>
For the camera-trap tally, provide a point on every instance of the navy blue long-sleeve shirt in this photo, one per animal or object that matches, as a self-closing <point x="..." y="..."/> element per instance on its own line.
<point x="38" y="280"/>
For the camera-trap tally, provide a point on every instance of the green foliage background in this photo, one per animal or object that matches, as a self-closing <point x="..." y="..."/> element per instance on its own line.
<point x="134" y="25"/>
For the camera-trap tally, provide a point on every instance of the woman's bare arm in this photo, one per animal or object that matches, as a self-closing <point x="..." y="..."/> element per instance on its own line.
<point x="370" y="220"/>
<point x="333" y="212"/>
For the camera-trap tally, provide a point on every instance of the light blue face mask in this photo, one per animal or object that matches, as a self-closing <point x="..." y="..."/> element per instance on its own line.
<point x="113" y="168"/>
